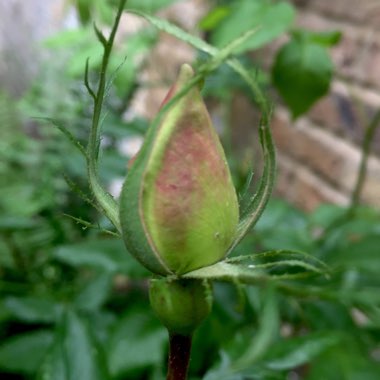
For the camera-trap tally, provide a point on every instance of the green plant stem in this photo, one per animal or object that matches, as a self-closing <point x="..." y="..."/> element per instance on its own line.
<point x="105" y="200"/>
<point x="362" y="174"/>
<point x="179" y="356"/>
<point x="366" y="148"/>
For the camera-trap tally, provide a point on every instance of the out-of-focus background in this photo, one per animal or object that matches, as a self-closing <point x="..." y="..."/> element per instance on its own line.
<point x="318" y="164"/>
<point x="69" y="289"/>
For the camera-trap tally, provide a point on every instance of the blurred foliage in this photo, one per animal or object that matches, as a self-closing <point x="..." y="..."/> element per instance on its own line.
<point x="74" y="304"/>
<point x="305" y="63"/>
<point x="270" y="19"/>
<point x="302" y="68"/>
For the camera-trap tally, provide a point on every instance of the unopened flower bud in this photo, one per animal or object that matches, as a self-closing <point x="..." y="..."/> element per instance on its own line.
<point x="178" y="207"/>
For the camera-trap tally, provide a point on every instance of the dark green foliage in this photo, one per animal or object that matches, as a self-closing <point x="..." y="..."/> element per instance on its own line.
<point x="73" y="302"/>
<point x="302" y="74"/>
<point x="228" y="23"/>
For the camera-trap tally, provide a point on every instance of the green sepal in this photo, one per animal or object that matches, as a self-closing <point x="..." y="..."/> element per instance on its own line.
<point x="181" y="305"/>
<point x="133" y="231"/>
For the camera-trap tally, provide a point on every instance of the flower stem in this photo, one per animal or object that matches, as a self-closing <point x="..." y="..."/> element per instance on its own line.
<point x="104" y="199"/>
<point x="366" y="150"/>
<point x="369" y="135"/>
<point x="179" y="356"/>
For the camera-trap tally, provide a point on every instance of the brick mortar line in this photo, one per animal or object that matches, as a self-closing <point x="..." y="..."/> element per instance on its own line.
<point x="326" y="127"/>
<point x="281" y="111"/>
<point x="352" y="89"/>
<point x="318" y="175"/>
<point x="324" y="134"/>
<point x="291" y="164"/>
<point x="369" y="85"/>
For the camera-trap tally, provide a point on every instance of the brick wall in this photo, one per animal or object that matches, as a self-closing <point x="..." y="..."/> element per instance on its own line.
<point x="319" y="153"/>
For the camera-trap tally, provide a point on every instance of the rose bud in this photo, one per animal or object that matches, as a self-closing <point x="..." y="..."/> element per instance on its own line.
<point x="178" y="207"/>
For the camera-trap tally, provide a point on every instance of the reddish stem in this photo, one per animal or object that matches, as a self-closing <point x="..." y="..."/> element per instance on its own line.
<point x="179" y="356"/>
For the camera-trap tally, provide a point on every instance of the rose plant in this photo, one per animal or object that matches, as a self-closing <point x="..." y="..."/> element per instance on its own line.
<point x="178" y="212"/>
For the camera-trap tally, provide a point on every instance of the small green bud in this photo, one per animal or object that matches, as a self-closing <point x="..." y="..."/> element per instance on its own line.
<point x="178" y="208"/>
<point x="181" y="305"/>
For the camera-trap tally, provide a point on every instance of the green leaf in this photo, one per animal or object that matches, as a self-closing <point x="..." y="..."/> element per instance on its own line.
<point x="13" y="223"/>
<point x="77" y="62"/>
<point x="267" y="332"/>
<point x="271" y="19"/>
<point x="105" y="11"/>
<point x="224" y="372"/>
<point x="327" y="39"/>
<point x="94" y="294"/>
<point x="256" y="268"/>
<point x="280" y="256"/>
<point x="349" y="360"/>
<point x="325" y="215"/>
<point x="302" y="73"/>
<point x="298" y="351"/>
<point x="358" y="252"/>
<point x="213" y="51"/>
<point x="177" y="32"/>
<point x="150" y="6"/>
<point x="128" y="344"/>
<point x="66" y="133"/>
<point x="84" y="10"/>
<point x="32" y="309"/>
<point x="75" y="353"/>
<point x="291" y="227"/>
<point x="25" y="352"/>
<point x="76" y="189"/>
<point x="53" y="366"/>
<point x="84" y="360"/>
<point x="369" y="296"/>
<point x="322" y="314"/>
<point x="108" y="255"/>
<point x="69" y="38"/>
<point x="213" y="18"/>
